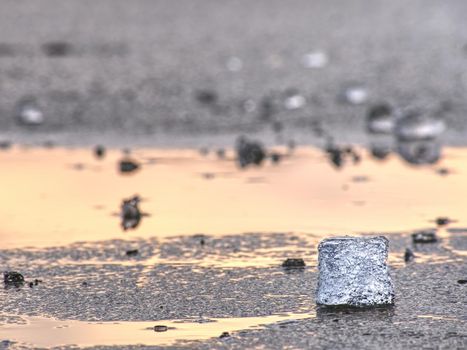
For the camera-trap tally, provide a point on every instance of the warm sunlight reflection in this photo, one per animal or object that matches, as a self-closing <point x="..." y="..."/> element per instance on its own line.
<point x="48" y="200"/>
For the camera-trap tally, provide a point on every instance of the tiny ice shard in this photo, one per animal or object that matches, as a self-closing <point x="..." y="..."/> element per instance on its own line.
<point x="28" y="112"/>
<point x="380" y="119"/>
<point x="294" y="100"/>
<point x="315" y="59"/>
<point x="353" y="272"/>
<point x="415" y="125"/>
<point x="355" y="95"/>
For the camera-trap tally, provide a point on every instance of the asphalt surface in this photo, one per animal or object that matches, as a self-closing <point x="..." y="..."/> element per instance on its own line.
<point x="429" y="311"/>
<point x="128" y="72"/>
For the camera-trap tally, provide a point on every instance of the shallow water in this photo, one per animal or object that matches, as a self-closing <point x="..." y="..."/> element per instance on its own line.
<point x="61" y="196"/>
<point x="211" y="246"/>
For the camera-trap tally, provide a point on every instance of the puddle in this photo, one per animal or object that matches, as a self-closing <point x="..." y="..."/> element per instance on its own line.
<point x="302" y="194"/>
<point x="46" y="332"/>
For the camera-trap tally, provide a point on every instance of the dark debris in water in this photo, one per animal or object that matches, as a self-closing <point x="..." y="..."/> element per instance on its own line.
<point x="249" y="152"/>
<point x="130" y="213"/>
<point x="128" y="165"/>
<point x="409" y="255"/>
<point x="160" y="328"/>
<point x="99" y="151"/>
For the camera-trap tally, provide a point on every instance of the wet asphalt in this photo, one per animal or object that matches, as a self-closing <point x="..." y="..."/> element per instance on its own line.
<point x="117" y="72"/>
<point x="129" y="75"/>
<point x="99" y="282"/>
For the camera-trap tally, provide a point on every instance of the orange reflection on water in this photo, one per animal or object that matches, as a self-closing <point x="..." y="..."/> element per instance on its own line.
<point x="47" y="201"/>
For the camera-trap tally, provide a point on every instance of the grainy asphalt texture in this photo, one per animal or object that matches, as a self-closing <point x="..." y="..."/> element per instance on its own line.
<point x="132" y="68"/>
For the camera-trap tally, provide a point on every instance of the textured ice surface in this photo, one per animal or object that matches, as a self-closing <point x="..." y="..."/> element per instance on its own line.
<point x="353" y="272"/>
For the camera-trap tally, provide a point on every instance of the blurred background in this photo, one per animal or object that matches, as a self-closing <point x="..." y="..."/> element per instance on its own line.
<point x="195" y="72"/>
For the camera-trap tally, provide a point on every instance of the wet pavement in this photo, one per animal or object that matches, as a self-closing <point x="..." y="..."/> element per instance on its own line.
<point x="208" y="258"/>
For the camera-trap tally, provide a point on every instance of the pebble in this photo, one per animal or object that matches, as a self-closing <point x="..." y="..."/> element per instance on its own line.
<point x="160" y="328"/>
<point x="294" y="263"/>
<point x="408" y="255"/>
<point x="224" y="335"/>
<point x="424" y="237"/>
<point x="249" y="152"/>
<point x="13" y="278"/>
<point x="99" y="151"/>
<point x="132" y="252"/>
<point x="128" y="165"/>
<point x="206" y="97"/>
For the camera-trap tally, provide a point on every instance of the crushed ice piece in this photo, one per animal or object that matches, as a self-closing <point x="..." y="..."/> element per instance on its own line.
<point x="315" y="59"/>
<point x="414" y="125"/>
<point x="28" y="112"/>
<point x="355" y="95"/>
<point x="353" y="272"/>
<point x="295" y="101"/>
<point x="380" y="119"/>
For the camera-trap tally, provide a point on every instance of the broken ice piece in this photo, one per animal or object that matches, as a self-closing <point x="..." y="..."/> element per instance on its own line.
<point x="353" y="272"/>
<point x="28" y="112"/>
<point x="424" y="237"/>
<point x="355" y="95"/>
<point x="315" y="59"/>
<point x="416" y="125"/>
<point x="380" y="119"/>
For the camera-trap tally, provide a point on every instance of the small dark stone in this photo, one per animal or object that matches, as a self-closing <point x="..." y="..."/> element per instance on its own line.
<point x="224" y="335"/>
<point x="293" y="263"/>
<point x="128" y="165"/>
<point x="99" y="151"/>
<point x="424" y="237"/>
<point x="249" y="152"/>
<point x="277" y="126"/>
<point x="220" y="153"/>
<point x="462" y="281"/>
<point x="36" y="282"/>
<point x="31" y="284"/>
<point x="84" y="284"/>
<point x="276" y="157"/>
<point x="443" y="171"/>
<point x="132" y="252"/>
<point x="291" y="145"/>
<point x="206" y="97"/>
<point x="202" y="241"/>
<point x="267" y="109"/>
<point x="57" y="49"/>
<point x="204" y="151"/>
<point x="160" y="328"/>
<point x="13" y="278"/>
<point x="5" y="144"/>
<point x="442" y="221"/>
<point x="379" y="110"/>
<point x="408" y="255"/>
